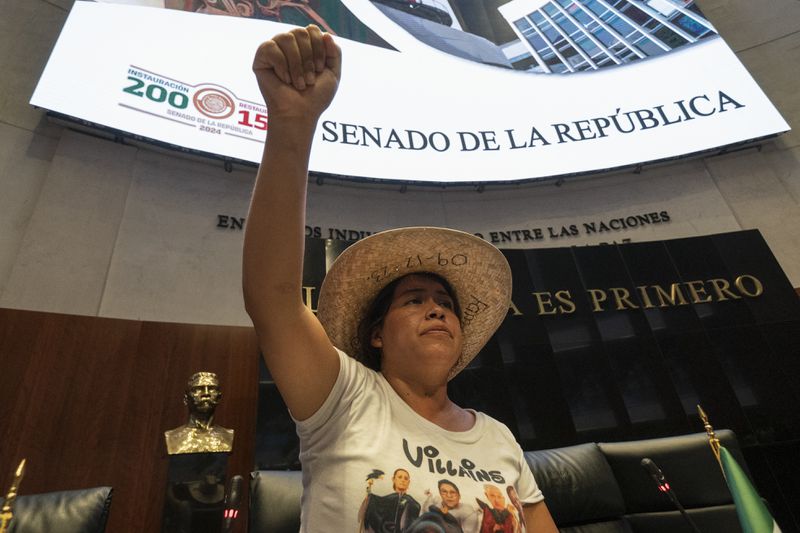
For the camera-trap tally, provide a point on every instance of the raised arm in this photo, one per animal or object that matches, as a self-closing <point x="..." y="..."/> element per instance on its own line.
<point x="298" y="73"/>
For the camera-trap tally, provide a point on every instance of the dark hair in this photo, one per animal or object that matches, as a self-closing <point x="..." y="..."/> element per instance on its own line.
<point x="370" y="356"/>
<point x="448" y="482"/>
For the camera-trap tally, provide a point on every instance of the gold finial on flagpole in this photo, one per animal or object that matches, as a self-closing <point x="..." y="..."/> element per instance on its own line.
<point x="6" y="512"/>
<point x="713" y="441"/>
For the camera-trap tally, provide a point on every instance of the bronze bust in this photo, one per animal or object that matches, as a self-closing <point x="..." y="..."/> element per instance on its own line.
<point x="199" y="435"/>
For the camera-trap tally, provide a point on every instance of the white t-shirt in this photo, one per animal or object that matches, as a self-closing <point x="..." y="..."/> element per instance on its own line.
<point x="370" y="463"/>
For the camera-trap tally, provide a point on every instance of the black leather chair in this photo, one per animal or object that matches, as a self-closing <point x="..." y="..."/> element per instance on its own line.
<point x="580" y="489"/>
<point x="589" y="488"/>
<point x="275" y="501"/>
<point x="693" y="473"/>
<point x="73" y="511"/>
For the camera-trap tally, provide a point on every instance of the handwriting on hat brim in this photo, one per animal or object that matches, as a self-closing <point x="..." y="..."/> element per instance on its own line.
<point x="473" y="308"/>
<point x="416" y="262"/>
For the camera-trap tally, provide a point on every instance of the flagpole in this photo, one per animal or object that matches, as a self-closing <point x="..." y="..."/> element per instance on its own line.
<point x="6" y="513"/>
<point x="754" y="516"/>
<point x="713" y="441"/>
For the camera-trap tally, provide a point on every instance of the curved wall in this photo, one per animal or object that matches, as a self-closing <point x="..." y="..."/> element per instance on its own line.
<point x="91" y="227"/>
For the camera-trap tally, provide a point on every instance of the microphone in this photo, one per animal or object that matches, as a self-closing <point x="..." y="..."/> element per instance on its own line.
<point x="656" y="473"/>
<point x="662" y="484"/>
<point x="233" y="498"/>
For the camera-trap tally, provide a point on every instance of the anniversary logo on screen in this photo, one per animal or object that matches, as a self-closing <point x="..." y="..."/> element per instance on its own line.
<point x="209" y="107"/>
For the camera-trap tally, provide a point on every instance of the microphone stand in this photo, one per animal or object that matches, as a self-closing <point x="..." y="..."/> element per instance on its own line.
<point x="685" y="515"/>
<point x="661" y="482"/>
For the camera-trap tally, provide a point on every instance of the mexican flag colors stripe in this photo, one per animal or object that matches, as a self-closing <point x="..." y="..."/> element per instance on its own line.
<point x="753" y="514"/>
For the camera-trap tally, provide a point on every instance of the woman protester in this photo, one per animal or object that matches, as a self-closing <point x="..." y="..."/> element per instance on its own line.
<point x="400" y="313"/>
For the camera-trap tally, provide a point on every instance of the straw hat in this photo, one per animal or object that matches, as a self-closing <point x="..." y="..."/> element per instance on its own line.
<point x="478" y="273"/>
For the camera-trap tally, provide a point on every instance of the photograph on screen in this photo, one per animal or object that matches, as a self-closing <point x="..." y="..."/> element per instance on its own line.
<point x="442" y="91"/>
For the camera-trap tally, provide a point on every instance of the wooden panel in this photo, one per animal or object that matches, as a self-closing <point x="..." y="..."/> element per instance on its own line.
<point x="87" y="400"/>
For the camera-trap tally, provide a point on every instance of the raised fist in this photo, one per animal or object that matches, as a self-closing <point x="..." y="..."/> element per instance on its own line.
<point x="298" y="72"/>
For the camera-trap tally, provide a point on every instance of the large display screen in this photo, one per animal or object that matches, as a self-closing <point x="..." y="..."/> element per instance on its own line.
<point x="432" y="90"/>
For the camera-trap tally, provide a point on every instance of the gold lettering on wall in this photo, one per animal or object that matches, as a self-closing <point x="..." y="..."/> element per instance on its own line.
<point x="650" y="296"/>
<point x="622" y="298"/>
<point x="648" y="303"/>
<point x="722" y="288"/>
<point x="758" y="288"/>
<point x="565" y="299"/>
<point x="675" y="296"/>
<point x="544" y="303"/>
<point x="698" y="291"/>
<point x="546" y="306"/>
<point x="514" y="309"/>
<point x="598" y="296"/>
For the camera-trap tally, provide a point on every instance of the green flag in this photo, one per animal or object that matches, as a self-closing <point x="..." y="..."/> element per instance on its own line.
<point x="753" y="514"/>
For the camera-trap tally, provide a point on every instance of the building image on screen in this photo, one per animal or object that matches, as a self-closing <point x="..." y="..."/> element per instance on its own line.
<point x="552" y="36"/>
<point x="563" y="36"/>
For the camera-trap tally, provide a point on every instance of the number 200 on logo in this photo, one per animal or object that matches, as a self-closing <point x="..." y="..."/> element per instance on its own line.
<point x="157" y="93"/>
